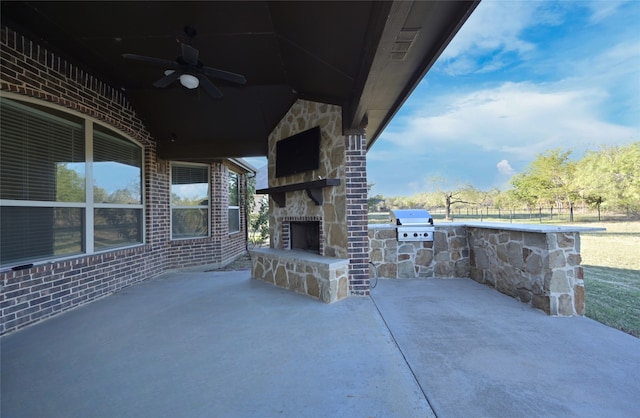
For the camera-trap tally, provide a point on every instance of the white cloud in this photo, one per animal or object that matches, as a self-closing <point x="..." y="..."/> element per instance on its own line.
<point x="602" y="9"/>
<point x="494" y="28"/>
<point x="619" y="64"/>
<point x="505" y="168"/>
<point x="517" y="118"/>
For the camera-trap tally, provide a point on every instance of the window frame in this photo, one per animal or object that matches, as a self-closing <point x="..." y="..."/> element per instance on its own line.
<point x="233" y="207"/>
<point x="88" y="206"/>
<point x="172" y="206"/>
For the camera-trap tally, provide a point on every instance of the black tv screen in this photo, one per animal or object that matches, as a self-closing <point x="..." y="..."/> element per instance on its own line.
<point x="298" y="153"/>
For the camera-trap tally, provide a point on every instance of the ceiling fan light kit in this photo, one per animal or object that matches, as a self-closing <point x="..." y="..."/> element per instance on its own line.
<point x="189" y="81"/>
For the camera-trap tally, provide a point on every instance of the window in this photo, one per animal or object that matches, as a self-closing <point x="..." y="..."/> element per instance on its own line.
<point x="234" y="202"/>
<point x="46" y="209"/>
<point x="189" y="201"/>
<point x="117" y="170"/>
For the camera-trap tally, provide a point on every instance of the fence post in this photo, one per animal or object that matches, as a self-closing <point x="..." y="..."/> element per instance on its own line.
<point x="571" y="213"/>
<point x="540" y="213"/>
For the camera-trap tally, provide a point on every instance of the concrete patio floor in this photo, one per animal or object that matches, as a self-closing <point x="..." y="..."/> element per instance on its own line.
<point x="218" y="344"/>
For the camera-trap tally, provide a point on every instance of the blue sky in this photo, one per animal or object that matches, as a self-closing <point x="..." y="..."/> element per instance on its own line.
<point x="520" y="78"/>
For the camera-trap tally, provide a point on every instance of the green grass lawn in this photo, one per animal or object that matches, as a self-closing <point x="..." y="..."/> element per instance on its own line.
<point x="611" y="262"/>
<point x="612" y="297"/>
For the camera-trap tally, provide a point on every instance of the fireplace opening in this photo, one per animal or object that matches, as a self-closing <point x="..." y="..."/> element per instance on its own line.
<point x="305" y="236"/>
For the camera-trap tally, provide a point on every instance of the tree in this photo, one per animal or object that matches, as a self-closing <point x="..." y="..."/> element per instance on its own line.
<point x="69" y="184"/>
<point x="452" y="195"/>
<point x="547" y="181"/>
<point x="507" y="200"/>
<point x="374" y="202"/>
<point x="610" y="177"/>
<point x="250" y="201"/>
<point x="259" y="223"/>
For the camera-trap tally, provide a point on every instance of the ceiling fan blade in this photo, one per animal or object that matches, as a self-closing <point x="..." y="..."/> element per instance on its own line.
<point x="209" y="87"/>
<point x="189" y="54"/>
<point x="165" y="81"/>
<point x="158" y="61"/>
<point x="224" y="75"/>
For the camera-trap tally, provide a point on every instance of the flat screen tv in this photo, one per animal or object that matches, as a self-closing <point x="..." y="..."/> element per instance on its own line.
<point x="298" y="153"/>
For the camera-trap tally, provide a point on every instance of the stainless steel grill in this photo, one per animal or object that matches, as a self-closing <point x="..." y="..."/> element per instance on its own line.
<point x="413" y="224"/>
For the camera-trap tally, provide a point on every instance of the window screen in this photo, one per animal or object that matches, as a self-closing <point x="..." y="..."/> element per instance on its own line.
<point x="234" y="202"/>
<point x="189" y="201"/>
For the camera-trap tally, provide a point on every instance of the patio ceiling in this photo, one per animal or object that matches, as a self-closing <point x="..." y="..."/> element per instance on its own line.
<point x="366" y="56"/>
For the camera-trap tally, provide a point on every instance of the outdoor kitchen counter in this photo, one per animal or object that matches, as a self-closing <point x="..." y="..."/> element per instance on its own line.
<point x="537" y="264"/>
<point x="543" y="229"/>
<point x="536" y="228"/>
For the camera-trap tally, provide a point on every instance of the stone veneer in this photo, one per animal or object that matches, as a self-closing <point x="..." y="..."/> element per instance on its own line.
<point x="540" y="269"/>
<point x="446" y="256"/>
<point x="343" y="213"/>
<point x="305" y="115"/>
<point x="323" y="278"/>
<point x="538" y="265"/>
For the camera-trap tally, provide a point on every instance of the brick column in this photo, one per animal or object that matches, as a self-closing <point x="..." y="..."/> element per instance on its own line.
<point x="219" y="207"/>
<point x="357" y="214"/>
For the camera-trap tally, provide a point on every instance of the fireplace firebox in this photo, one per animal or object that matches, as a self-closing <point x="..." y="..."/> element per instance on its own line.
<point x="305" y="236"/>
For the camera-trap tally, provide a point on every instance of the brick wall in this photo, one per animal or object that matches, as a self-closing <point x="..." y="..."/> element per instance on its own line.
<point x="357" y="214"/>
<point x="31" y="295"/>
<point x="222" y="246"/>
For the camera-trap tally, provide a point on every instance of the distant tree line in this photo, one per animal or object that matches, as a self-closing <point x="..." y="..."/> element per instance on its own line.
<point x="607" y="179"/>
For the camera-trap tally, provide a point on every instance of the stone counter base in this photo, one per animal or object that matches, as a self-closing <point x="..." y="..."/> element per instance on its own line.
<point x="540" y="269"/>
<point x="536" y="264"/>
<point x="322" y="278"/>
<point x="447" y="256"/>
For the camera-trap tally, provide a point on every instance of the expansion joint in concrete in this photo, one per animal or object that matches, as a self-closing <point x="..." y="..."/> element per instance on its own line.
<point x="404" y="357"/>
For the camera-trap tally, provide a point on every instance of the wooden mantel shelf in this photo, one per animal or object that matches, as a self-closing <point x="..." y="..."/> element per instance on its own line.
<point x="313" y="189"/>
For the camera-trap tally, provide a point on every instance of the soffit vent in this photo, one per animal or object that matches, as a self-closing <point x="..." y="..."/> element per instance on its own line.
<point x="403" y="43"/>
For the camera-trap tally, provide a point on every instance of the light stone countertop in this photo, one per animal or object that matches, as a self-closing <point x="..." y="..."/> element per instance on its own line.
<point x="297" y="255"/>
<point x="538" y="228"/>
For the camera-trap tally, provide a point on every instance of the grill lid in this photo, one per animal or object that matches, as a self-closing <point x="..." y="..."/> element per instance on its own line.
<point x="411" y="217"/>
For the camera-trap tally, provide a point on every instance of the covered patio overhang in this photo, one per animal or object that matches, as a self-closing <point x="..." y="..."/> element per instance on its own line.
<point x="365" y="56"/>
<point x="342" y="67"/>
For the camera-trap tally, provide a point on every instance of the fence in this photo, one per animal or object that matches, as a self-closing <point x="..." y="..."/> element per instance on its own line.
<point x="492" y="214"/>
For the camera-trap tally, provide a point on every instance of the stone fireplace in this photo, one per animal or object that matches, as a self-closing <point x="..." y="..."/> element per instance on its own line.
<point x="303" y="235"/>
<point x="318" y="218"/>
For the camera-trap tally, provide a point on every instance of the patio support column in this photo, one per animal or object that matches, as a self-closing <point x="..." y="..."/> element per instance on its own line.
<point x="357" y="213"/>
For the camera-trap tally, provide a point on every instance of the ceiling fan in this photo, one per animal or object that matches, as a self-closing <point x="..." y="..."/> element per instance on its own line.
<point x="189" y="70"/>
